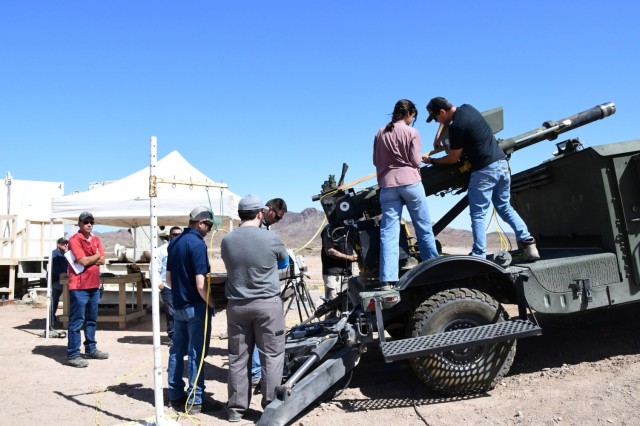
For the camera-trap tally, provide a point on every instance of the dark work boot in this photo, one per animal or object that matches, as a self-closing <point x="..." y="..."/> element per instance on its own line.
<point x="529" y="250"/>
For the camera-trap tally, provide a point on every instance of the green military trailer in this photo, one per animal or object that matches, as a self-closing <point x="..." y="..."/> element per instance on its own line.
<point x="447" y="316"/>
<point x="588" y="226"/>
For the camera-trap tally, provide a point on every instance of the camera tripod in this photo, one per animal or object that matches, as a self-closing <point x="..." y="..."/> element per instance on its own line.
<point x="295" y="289"/>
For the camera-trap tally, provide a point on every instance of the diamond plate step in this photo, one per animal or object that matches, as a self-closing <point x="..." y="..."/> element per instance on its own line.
<point x="457" y="339"/>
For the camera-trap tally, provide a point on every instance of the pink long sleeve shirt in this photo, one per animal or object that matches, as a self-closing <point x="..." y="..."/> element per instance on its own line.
<point x="396" y="155"/>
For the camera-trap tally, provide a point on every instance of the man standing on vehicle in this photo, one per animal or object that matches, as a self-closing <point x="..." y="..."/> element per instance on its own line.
<point x="490" y="181"/>
<point x="84" y="292"/>
<point x="187" y="267"/>
<point x="254" y="314"/>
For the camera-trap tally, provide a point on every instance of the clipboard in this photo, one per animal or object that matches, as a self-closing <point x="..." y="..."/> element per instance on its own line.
<point x="77" y="268"/>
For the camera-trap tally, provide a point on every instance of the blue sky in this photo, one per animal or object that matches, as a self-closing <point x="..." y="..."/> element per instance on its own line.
<point x="273" y="96"/>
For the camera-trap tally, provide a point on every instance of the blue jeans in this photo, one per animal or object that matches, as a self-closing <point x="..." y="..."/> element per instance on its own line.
<point x="167" y="300"/>
<point x="391" y="201"/>
<point x="188" y="339"/>
<point x="492" y="184"/>
<point x="55" y="301"/>
<point x="256" y="367"/>
<point x="83" y="315"/>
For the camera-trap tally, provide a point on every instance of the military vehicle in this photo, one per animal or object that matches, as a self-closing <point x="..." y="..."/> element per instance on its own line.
<point x="447" y="315"/>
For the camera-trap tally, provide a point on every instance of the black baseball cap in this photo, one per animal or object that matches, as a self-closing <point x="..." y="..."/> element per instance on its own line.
<point x="85" y="215"/>
<point x="435" y="105"/>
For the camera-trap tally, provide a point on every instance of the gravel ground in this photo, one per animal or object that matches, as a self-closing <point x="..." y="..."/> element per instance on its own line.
<point x="584" y="370"/>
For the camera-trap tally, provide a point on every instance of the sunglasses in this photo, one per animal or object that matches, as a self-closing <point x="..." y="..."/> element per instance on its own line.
<point x="175" y="235"/>
<point x="87" y="222"/>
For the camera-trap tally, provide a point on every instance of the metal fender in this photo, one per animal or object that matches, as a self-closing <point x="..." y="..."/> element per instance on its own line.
<point x="448" y="268"/>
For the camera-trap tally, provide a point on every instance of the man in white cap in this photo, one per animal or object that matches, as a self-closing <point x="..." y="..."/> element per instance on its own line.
<point x="165" y="289"/>
<point x="187" y="267"/>
<point x="254" y="312"/>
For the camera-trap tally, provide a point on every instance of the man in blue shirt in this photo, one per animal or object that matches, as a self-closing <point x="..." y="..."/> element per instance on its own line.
<point x="187" y="267"/>
<point x="59" y="266"/>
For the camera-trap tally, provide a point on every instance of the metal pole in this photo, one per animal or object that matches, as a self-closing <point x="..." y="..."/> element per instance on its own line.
<point x="155" y="276"/>
<point x="49" y="268"/>
<point x="155" y="295"/>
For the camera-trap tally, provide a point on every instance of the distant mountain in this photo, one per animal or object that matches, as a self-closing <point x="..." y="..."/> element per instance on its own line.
<point x="110" y="239"/>
<point x="297" y="229"/>
<point x="301" y="229"/>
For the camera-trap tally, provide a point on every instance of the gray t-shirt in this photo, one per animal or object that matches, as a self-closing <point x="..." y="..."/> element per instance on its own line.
<point x="251" y="256"/>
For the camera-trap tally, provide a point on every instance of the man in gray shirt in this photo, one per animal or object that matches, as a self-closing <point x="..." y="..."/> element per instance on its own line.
<point x="254" y="312"/>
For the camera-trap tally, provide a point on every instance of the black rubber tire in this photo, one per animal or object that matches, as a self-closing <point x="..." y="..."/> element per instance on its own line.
<point x="471" y="370"/>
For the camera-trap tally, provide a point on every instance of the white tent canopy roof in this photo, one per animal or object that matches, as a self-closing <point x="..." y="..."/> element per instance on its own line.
<point x="125" y="203"/>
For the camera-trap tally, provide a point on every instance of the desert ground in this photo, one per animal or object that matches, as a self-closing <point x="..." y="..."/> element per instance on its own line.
<point x="584" y="370"/>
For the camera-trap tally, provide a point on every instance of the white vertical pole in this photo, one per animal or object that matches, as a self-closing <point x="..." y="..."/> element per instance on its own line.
<point x="154" y="276"/>
<point x="48" y="324"/>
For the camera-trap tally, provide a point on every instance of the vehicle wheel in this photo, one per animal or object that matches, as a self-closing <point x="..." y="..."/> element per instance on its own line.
<point x="462" y="371"/>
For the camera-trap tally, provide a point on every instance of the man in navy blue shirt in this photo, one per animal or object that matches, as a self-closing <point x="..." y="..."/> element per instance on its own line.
<point x="59" y="266"/>
<point x="490" y="180"/>
<point x="187" y="267"/>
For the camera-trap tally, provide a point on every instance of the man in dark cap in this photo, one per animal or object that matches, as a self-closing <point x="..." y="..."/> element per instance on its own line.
<point x="490" y="181"/>
<point x="187" y="268"/>
<point x="254" y="314"/>
<point x="59" y="266"/>
<point x="84" y="292"/>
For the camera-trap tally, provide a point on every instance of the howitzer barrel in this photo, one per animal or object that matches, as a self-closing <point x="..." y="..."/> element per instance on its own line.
<point x="551" y="129"/>
<point x="455" y="177"/>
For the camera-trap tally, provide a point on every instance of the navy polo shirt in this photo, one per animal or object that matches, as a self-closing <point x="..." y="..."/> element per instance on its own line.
<point x="187" y="258"/>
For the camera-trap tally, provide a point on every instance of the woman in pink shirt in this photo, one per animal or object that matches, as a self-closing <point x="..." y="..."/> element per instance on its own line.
<point x="397" y="157"/>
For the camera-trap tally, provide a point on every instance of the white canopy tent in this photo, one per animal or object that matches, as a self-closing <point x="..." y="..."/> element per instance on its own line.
<point x="125" y="203"/>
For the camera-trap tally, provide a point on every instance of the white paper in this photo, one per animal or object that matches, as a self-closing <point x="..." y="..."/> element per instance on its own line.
<point x="77" y="268"/>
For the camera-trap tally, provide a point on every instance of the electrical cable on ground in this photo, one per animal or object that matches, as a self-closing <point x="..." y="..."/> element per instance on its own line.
<point x="99" y="395"/>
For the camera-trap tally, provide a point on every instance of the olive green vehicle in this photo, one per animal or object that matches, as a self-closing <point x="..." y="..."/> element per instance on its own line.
<point x="446" y="316"/>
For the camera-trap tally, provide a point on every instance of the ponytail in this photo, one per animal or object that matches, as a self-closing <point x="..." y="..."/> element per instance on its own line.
<point x="402" y="108"/>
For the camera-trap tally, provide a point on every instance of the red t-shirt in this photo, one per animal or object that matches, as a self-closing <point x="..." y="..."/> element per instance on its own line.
<point x="81" y="247"/>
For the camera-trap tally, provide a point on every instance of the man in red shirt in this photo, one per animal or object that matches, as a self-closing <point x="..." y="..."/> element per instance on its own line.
<point x="84" y="292"/>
